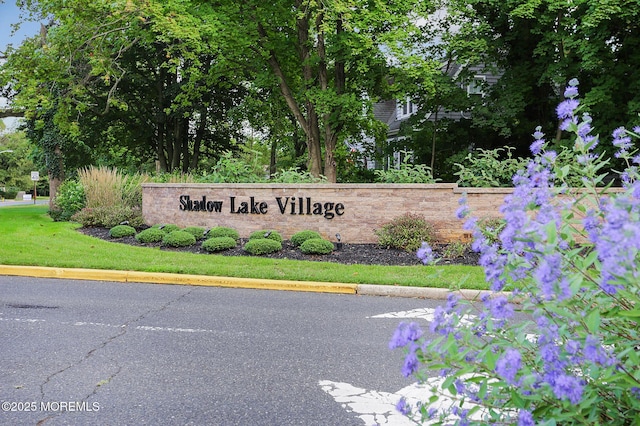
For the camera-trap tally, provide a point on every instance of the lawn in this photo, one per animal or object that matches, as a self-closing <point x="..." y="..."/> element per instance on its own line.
<point x="29" y="237"/>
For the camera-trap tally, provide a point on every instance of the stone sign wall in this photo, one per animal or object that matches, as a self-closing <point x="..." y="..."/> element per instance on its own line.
<point x="352" y="210"/>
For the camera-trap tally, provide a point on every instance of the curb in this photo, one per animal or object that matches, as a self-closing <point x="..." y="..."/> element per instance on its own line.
<point x="230" y="282"/>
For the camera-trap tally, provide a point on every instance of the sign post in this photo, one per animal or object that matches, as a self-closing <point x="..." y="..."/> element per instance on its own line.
<point x="35" y="177"/>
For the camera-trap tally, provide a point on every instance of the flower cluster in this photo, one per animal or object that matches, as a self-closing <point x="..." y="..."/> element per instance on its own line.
<point x="562" y="346"/>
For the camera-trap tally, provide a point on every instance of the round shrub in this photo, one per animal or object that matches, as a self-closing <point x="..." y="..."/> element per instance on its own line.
<point x="167" y="229"/>
<point x="266" y="234"/>
<point x="223" y="231"/>
<point x="120" y="231"/>
<point x="179" y="239"/>
<point x="300" y="237"/>
<point x="219" y="244"/>
<point x="406" y="232"/>
<point x="259" y="246"/>
<point x="316" y="246"/>
<point x="150" y="235"/>
<point x="196" y="231"/>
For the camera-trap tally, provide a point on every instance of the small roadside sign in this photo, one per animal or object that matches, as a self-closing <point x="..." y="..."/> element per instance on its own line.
<point x="35" y="176"/>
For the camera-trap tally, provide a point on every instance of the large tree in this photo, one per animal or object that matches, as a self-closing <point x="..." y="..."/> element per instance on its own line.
<point x="540" y="45"/>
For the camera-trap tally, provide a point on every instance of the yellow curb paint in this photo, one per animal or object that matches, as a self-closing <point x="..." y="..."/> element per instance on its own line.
<point x="180" y="279"/>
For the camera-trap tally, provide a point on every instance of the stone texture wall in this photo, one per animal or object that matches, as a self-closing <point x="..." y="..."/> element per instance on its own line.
<point x="364" y="207"/>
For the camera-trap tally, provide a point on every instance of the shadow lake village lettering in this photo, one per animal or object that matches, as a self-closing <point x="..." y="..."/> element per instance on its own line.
<point x="285" y="205"/>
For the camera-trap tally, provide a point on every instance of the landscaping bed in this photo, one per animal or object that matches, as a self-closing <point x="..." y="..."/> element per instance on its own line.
<point x="363" y="254"/>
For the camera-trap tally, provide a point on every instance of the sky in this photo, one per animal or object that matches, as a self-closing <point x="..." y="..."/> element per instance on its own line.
<point x="10" y="14"/>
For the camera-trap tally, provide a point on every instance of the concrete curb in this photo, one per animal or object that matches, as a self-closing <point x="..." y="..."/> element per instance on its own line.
<point x="249" y="283"/>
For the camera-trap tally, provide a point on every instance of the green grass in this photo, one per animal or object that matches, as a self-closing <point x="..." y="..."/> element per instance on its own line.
<point x="29" y="237"/>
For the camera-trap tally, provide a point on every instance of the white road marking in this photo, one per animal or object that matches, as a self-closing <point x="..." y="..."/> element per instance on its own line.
<point x="379" y="408"/>
<point x="99" y="324"/>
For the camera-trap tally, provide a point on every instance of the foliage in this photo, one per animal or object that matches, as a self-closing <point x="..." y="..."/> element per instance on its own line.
<point x="15" y="166"/>
<point x="455" y="249"/>
<point x="259" y="246"/>
<point x="178" y="239"/>
<point x="406" y="173"/>
<point x="406" y="232"/>
<point x="120" y="231"/>
<point x="150" y="235"/>
<point x="302" y="236"/>
<point x="539" y="46"/>
<point x="266" y="233"/>
<point x="167" y="228"/>
<point x="69" y="201"/>
<point x="109" y="216"/>
<point x="572" y="358"/>
<point x="295" y="175"/>
<point x="223" y="231"/>
<point x="111" y="197"/>
<point x="197" y="231"/>
<point x="217" y="244"/>
<point x="491" y="228"/>
<point x="230" y="169"/>
<point x="316" y="246"/>
<point x="489" y="168"/>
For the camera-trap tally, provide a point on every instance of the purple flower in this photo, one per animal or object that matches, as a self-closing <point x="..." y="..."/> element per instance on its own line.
<point x="500" y="307"/>
<point x="403" y="406"/>
<point x="404" y="334"/>
<point x="538" y="144"/>
<point x="525" y="418"/>
<point x="411" y="363"/>
<point x="568" y="387"/>
<point x="508" y="365"/>
<point x="566" y="108"/>
<point x="425" y="254"/>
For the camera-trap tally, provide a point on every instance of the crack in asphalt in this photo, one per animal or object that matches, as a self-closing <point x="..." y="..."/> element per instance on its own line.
<point x="123" y="330"/>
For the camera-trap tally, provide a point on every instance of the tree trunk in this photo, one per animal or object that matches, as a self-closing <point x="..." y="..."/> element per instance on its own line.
<point x="55" y="180"/>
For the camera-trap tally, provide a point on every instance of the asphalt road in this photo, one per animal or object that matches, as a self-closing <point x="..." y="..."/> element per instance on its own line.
<point x="102" y="353"/>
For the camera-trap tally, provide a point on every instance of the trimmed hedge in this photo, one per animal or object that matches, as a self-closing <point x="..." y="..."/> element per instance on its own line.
<point x="316" y="246"/>
<point x="259" y="246"/>
<point x="150" y="235"/>
<point x="216" y="244"/>
<point x="196" y="231"/>
<point x="179" y="239"/>
<point x="120" y="231"/>
<point x="300" y="237"/>
<point x="223" y="231"/>
<point x="272" y="235"/>
<point x="169" y="228"/>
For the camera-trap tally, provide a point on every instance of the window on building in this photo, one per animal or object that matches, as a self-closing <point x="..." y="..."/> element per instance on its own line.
<point x="476" y="86"/>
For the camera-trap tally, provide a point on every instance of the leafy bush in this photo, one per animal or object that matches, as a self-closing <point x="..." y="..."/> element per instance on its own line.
<point x="295" y="175"/>
<point x="150" y="235"/>
<point x="222" y="231"/>
<point x="406" y="173"/>
<point x="272" y="235"/>
<point x="197" y="231"/>
<point x="316" y="246"/>
<point x="179" y="239"/>
<point x="455" y="249"/>
<point x="489" y="168"/>
<point x="258" y="246"/>
<point x="120" y="231"/>
<point x="300" y="237"/>
<point x="572" y="358"/>
<point x="230" y="169"/>
<point x="406" y="232"/>
<point x="109" y="216"/>
<point x="69" y="200"/>
<point x="216" y="244"/>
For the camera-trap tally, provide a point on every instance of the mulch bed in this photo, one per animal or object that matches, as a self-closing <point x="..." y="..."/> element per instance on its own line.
<point x="362" y="254"/>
